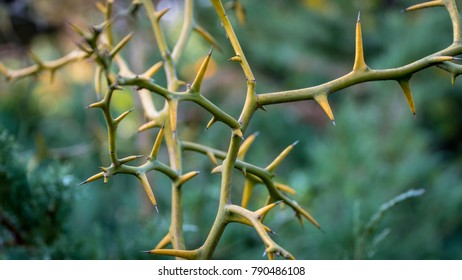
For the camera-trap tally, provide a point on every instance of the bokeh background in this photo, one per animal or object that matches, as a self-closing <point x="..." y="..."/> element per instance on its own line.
<point x="343" y="174"/>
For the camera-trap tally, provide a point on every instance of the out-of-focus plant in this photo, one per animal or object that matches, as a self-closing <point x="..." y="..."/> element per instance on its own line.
<point x="35" y="202"/>
<point x="114" y="73"/>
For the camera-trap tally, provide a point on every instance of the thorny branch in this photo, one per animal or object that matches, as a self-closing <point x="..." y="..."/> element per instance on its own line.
<point x="99" y="44"/>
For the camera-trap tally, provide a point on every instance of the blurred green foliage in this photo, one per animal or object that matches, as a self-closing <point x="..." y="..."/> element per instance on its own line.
<point x="342" y="174"/>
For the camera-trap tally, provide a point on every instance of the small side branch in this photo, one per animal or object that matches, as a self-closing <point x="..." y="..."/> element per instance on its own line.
<point x="41" y="66"/>
<point x="272" y="248"/>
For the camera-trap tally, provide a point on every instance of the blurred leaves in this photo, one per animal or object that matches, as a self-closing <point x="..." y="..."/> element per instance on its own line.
<point x="35" y="202"/>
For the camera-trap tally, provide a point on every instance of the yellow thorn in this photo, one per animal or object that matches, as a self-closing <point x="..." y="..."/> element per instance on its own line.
<point x="247" y="192"/>
<point x="161" y="13"/>
<point x="147" y="187"/>
<point x="408" y="94"/>
<point x="121" y="44"/>
<point x="429" y="4"/>
<point x="209" y="38"/>
<point x="212" y="157"/>
<point x="98" y="104"/>
<point x="244" y="221"/>
<point x="152" y="70"/>
<point x="196" y="85"/>
<point x="217" y="169"/>
<point x="122" y="116"/>
<point x="92" y="178"/>
<point x="186" y="177"/>
<point x="443" y="58"/>
<point x="308" y="217"/>
<point x="150" y="124"/>
<point x="236" y="58"/>
<point x="129" y="158"/>
<point x="240" y="13"/>
<point x="272" y="166"/>
<point x="324" y="103"/>
<point x="157" y="143"/>
<point x="100" y="6"/>
<point x="261" y="213"/>
<point x="238" y="132"/>
<point x="79" y="30"/>
<point x="246" y="145"/>
<point x="211" y="122"/>
<point x="284" y="188"/>
<point x="359" y="64"/>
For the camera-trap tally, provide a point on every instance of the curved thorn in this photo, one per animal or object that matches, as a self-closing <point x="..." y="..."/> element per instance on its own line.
<point x="211" y="122"/>
<point x="429" y="4"/>
<point x="217" y="169"/>
<point x="235" y="58"/>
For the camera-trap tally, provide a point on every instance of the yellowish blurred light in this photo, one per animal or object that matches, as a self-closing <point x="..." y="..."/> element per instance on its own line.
<point x="80" y="72"/>
<point x="317" y="5"/>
